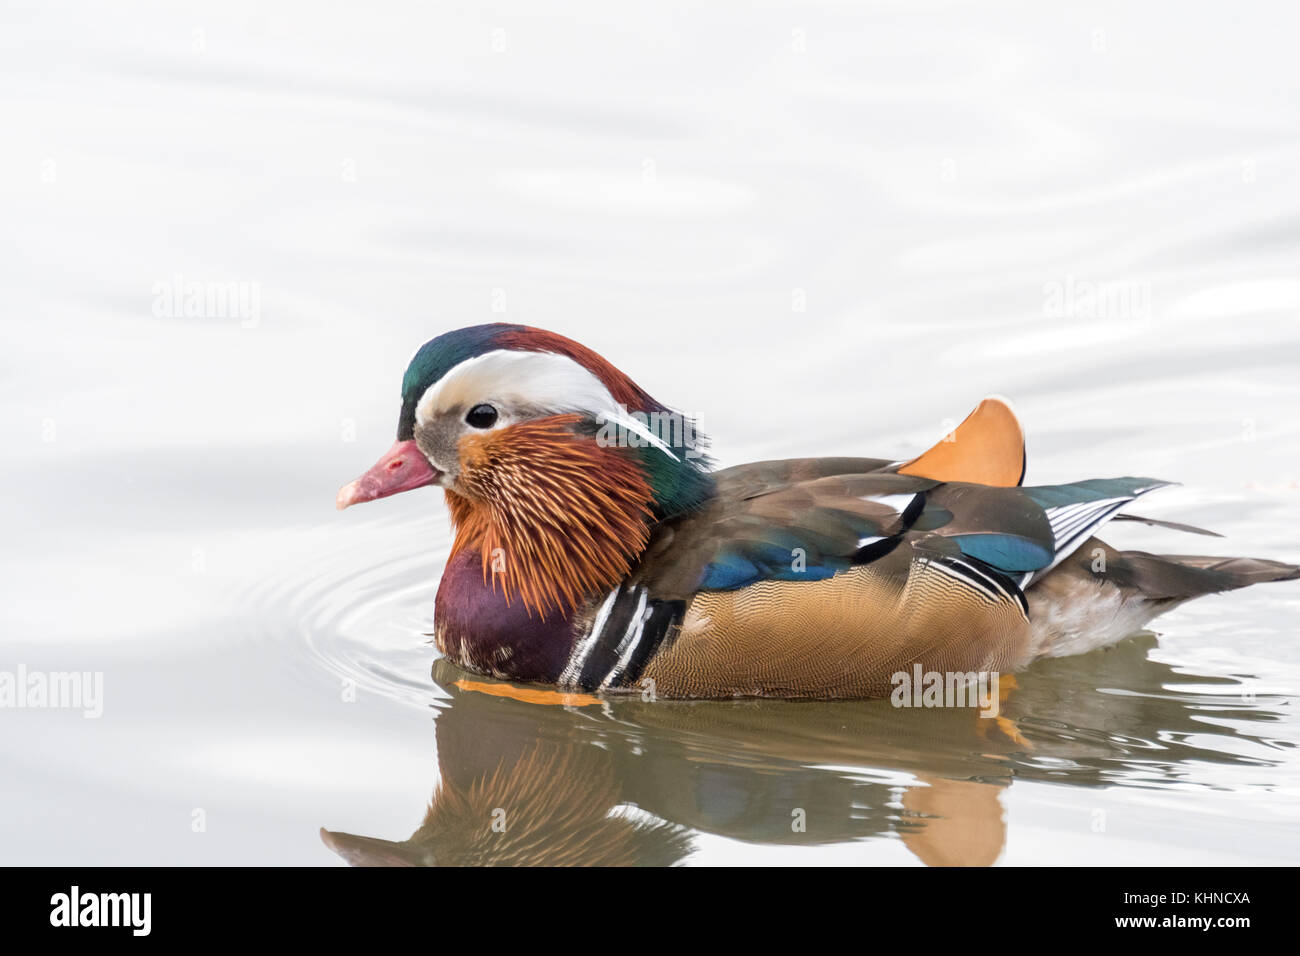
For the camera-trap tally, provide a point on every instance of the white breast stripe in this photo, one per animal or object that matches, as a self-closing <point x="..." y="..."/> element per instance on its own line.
<point x="629" y="645"/>
<point x="583" y="648"/>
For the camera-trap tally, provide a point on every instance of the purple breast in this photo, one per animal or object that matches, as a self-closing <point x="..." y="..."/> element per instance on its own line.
<point x="477" y="628"/>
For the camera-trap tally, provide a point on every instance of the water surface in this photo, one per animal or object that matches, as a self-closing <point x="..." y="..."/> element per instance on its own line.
<point x="821" y="229"/>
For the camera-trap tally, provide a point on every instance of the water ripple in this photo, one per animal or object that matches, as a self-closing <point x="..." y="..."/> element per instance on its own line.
<point x="362" y="606"/>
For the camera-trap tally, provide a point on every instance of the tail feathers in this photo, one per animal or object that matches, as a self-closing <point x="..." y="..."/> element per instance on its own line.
<point x="1074" y="610"/>
<point x="1179" y="577"/>
<point x="1168" y="525"/>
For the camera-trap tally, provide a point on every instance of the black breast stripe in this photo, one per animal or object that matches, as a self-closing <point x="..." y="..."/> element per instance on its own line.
<point x="605" y="650"/>
<point x="661" y="618"/>
<point x="988" y="577"/>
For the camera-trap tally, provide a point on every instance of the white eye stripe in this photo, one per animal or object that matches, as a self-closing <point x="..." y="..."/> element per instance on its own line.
<point x="503" y="377"/>
<point x="544" y="380"/>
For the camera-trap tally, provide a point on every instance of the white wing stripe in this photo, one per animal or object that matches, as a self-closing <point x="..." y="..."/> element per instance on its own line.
<point x="1066" y="521"/>
<point x="1071" y="525"/>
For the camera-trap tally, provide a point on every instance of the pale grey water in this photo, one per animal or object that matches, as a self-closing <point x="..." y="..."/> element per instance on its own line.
<point x="822" y="228"/>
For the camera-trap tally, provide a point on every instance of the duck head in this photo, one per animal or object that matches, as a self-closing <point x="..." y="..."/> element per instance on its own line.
<point x="555" y="464"/>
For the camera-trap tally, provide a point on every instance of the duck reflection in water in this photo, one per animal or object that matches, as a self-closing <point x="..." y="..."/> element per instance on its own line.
<point x="538" y="777"/>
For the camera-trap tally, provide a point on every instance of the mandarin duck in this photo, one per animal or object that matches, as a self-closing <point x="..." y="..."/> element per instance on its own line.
<point x="595" y="548"/>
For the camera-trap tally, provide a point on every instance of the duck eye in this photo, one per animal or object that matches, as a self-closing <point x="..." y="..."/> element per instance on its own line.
<point x="481" y="416"/>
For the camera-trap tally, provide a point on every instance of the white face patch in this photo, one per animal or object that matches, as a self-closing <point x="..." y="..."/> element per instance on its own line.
<point x="520" y="384"/>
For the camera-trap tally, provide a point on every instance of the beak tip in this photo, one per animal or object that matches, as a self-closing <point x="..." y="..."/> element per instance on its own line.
<point x="401" y="468"/>
<point x="347" y="495"/>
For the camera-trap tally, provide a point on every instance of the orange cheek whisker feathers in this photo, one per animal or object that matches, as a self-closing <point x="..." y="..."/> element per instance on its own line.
<point x="555" y="516"/>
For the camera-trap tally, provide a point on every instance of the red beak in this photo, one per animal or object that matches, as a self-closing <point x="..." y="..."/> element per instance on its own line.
<point x="401" y="468"/>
